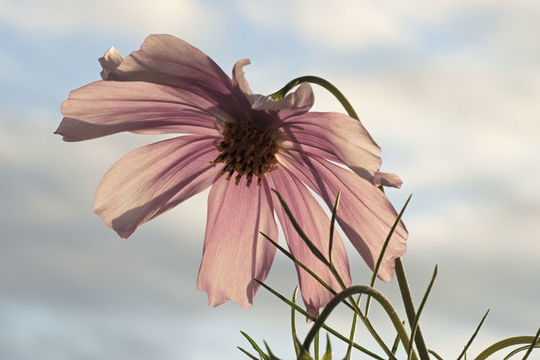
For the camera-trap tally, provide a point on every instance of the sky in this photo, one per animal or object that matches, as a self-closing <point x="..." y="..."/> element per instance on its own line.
<point x="448" y="89"/>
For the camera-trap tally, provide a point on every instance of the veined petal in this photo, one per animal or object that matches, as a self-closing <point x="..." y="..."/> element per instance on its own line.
<point x="295" y="103"/>
<point x="365" y="214"/>
<point x="234" y="251"/>
<point x="316" y="225"/>
<point x="152" y="179"/>
<point x="106" y="107"/>
<point x="167" y="60"/>
<point x="333" y="136"/>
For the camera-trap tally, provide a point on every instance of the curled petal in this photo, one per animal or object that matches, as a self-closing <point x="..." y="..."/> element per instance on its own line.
<point x="335" y="137"/>
<point x="167" y="60"/>
<point x="239" y="79"/>
<point x="106" y="107"/>
<point x="365" y="214"/>
<point x="152" y="179"/>
<point x="316" y="225"/>
<point x="295" y="103"/>
<point x="109" y="62"/>
<point x="386" y="179"/>
<point x="234" y="251"/>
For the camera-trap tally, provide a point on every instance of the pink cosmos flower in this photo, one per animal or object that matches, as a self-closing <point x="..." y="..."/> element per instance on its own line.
<point x="241" y="145"/>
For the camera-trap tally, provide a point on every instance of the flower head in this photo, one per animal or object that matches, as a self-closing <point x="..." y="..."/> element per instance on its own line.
<point x="241" y="145"/>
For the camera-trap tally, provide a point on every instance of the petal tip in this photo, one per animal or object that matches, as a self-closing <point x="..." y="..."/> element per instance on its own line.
<point x="387" y="179"/>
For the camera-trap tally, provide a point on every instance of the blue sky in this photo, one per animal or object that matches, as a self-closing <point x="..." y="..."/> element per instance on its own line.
<point x="448" y="89"/>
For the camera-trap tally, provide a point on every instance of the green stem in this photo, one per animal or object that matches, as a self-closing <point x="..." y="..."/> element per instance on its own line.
<point x="319" y="81"/>
<point x="499" y="345"/>
<point x="313" y="318"/>
<point x="358" y="312"/>
<point x="409" y="308"/>
<point x="321" y="257"/>
<point x="402" y="281"/>
<point x="359" y="289"/>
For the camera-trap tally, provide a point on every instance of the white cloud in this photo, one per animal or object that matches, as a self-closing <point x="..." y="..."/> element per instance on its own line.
<point x="190" y="18"/>
<point x="57" y="183"/>
<point x="351" y="25"/>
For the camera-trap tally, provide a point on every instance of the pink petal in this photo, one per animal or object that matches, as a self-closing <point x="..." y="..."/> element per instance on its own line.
<point x="295" y="103"/>
<point x="316" y="225"/>
<point x="167" y="60"/>
<point x="106" y="107"/>
<point x="110" y="61"/>
<point x="239" y="78"/>
<point x="234" y="251"/>
<point x="386" y="179"/>
<point x="335" y="137"/>
<point x="364" y="213"/>
<point x="154" y="178"/>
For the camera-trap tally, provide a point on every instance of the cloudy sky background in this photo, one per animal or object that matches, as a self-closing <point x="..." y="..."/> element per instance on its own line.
<point x="449" y="89"/>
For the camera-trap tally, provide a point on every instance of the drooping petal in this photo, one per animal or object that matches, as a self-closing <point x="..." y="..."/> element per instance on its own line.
<point x="106" y="107"/>
<point x="316" y="225"/>
<point x="234" y="251"/>
<point x="109" y="62"/>
<point x="167" y="60"/>
<point x="333" y="136"/>
<point x="295" y="103"/>
<point x="386" y="179"/>
<point x="152" y="179"/>
<point x="365" y="214"/>
<point x="239" y="78"/>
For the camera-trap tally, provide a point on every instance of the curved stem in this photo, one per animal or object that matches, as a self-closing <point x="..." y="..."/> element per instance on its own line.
<point x="313" y="318"/>
<point x="353" y="306"/>
<point x="402" y="280"/>
<point x="319" y="81"/>
<point x="359" y="289"/>
<point x="499" y="345"/>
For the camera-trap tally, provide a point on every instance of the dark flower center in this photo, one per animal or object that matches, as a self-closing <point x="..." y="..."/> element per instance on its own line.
<point x="247" y="150"/>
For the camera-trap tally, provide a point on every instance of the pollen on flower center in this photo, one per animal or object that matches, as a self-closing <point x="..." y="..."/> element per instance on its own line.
<point x="247" y="150"/>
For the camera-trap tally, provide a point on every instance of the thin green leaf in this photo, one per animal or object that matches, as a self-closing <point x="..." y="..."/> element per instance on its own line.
<point x="351" y="305"/>
<point x="328" y="353"/>
<point x="473" y="335"/>
<point x="316" y="345"/>
<point x="518" y="350"/>
<point x="299" y="263"/>
<point x="417" y="317"/>
<point x="270" y="353"/>
<point x="385" y="303"/>
<point x="533" y="344"/>
<point x="248" y="353"/>
<point x="296" y="342"/>
<point x="502" y="344"/>
<point x="305" y="356"/>
<point x="312" y="318"/>
<point x="383" y="250"/>
<point x="332" y="226"/>
<point x="395" y="344"/>
<point x="351" y="334"/>
<point x="435" y="354"/>
<point x="299" y="230"/>
<point x="409" y="307"/>
<point x="255" y="346"/>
